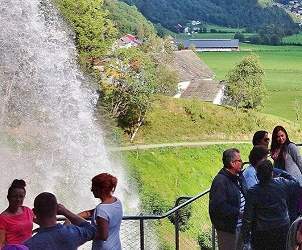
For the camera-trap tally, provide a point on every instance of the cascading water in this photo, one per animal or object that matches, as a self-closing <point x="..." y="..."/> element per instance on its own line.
<point x="48" y="134"/>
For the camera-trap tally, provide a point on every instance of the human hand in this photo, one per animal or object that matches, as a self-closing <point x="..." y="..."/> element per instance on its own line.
<point x="61" y="210"/>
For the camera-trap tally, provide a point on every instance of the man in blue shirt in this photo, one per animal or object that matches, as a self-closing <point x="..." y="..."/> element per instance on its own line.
<point x="53" y="236"/>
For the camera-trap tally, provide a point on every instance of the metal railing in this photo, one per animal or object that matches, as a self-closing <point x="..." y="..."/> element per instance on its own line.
<point x="156" y="229"/>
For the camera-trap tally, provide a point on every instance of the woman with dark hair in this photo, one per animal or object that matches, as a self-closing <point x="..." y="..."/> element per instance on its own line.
<point x="286" y="154"/>
<point x="266" y="212"/>
<point x="261" y="138"/>
<point x="16" y="222"/>
<point x="107" y="216"/>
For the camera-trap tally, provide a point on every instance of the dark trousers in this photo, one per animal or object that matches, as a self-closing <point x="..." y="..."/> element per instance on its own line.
<point x="274" y="239"/>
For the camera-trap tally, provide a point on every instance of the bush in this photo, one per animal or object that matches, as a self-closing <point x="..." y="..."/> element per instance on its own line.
<point x="182" y="217"/>
<point x="205" y="240"/>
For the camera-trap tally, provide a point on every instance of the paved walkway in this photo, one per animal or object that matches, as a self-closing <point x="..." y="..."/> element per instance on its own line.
<point x="178" y="144"/>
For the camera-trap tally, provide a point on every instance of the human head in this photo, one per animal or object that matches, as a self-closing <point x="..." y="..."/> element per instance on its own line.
<point x="231" y="160"/>
<point x="257" y="154"/>
<point x="103" y="185"/>
<point x="261" y="138"/>
<point x="264" y="171"/>
<point x="16" y="193"/>
<point x="45" y="206"/>
<point x="279" y="137"/>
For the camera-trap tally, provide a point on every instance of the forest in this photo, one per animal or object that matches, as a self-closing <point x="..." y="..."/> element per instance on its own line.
<point x="231" y="13"/>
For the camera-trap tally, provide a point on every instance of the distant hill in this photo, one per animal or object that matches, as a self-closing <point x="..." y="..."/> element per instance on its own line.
<point x="128" y="19"/>
<point x="252" y="14"/>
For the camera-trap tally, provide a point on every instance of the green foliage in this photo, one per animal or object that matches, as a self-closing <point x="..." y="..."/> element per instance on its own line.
<point x="127" y="91"/>
<point x="283" y="73"/>
<point x="95" y="33"/>
<point x="128" y="20"/>
<point x="293" y="39"/>
<point x="271" y="35"/>
<point x="205" y="240"/>
<point x="182" y="217"/>
<point x="169" y="120"/>
<point x="239" y="36"/>
<point x="230" y="13"/>
<point x="244" y="84"/>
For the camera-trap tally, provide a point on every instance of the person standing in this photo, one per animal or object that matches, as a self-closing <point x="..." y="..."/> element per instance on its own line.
<point x="16" y="222"/>
<point x="266" y="212"/>
<point x="285" y="153"/>
<point x="107" y="216"/>
<point x="227" y="200"/>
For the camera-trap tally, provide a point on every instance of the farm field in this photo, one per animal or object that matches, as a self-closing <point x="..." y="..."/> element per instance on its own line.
<point x="283" y="74"/>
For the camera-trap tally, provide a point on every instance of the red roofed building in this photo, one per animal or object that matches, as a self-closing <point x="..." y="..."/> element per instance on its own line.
<point x="128" y="41"/>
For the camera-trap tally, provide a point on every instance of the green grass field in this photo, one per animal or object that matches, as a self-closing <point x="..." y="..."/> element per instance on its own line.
<point x="166" y="174"/>
<point x="283" y="73"/>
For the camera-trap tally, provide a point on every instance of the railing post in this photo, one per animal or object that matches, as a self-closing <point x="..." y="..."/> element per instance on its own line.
<point x="142" y="234"/>
<point x="213" y="238"/>
<point x="176" y="230"/>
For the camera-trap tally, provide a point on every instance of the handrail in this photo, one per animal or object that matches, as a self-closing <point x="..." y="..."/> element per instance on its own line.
<point x="171" y="211"/>
<point x="156" y="217"/>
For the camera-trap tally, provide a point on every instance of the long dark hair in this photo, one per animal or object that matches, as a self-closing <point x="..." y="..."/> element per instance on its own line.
<point x="275" y="145"/>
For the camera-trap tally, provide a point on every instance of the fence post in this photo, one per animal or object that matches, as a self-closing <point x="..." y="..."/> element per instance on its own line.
<point x="176" y="230"/>
<point x="213" y="238"/>
<point x="142" y="234"/>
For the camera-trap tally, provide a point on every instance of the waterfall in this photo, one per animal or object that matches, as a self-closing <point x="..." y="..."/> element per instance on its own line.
<point x="48" y="132"/>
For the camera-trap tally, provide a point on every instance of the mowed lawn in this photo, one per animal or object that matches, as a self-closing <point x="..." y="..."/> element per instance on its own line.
<point x="283" y="74"/>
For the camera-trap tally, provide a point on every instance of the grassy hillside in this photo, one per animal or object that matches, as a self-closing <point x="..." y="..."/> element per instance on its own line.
<point x="283" y="74"/>
<point x="178" y="120"/>
<point x="166" y="174"/>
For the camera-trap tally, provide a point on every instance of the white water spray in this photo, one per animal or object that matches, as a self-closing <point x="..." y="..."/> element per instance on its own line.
<point x="48" y="134"/>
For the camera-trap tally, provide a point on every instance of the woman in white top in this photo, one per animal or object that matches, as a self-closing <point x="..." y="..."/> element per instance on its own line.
<point x="107" y="216"/>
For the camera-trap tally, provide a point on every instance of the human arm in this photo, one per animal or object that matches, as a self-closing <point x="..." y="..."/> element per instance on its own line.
<point x="2" y="238"/>
<point x="86" y="214"/>
<point x="281" y="173"/>
<point x="73" y="218"/>
<point x="295" y="154"/>
<point x="102" y="229"/>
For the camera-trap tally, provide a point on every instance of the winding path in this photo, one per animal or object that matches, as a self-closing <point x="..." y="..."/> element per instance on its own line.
<point x="177" y="144"/>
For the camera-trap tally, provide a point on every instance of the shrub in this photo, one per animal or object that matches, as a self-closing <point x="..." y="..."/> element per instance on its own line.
<point x="205" y="240"/>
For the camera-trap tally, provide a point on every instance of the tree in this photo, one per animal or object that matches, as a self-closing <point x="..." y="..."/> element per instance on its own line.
<point x="244" y="85"/>
<point x="239" y="36"/>
<point x="127" y="90"/>
<point x="94" y="31"/>
<point x="132" y="77"/>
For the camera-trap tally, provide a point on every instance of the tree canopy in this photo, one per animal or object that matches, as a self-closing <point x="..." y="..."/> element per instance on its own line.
<point x="127" y="19"/>
<point x="244" y="85"/>
<point x="232" y="13"/>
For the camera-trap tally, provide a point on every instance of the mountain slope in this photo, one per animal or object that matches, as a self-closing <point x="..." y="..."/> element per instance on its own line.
<point x="234" y="13"/>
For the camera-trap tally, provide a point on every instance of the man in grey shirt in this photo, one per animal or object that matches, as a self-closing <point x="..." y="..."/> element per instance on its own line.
<point x="53" y="236"/>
